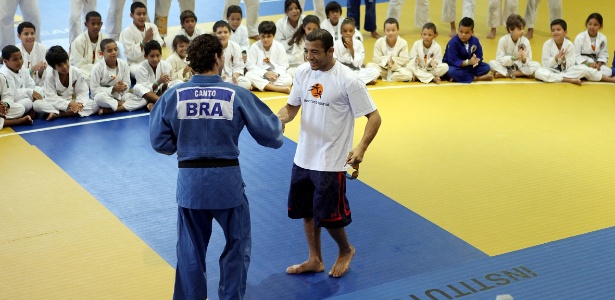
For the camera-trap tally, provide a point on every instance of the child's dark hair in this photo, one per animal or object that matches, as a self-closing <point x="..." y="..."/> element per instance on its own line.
<point x="151" y="45"/>
<point x="300" y="33"/>
<point x="332" y="7"/>
<point x="321" y="35"/>
<point x="24" y="25"/>
<point x="136" y="5"/>
<point x="180" y="39"/>
<point x="92" y="14"/>
<point x="559" y="22"/>
<point x="348" y="21"/>
<point x="430" y="26"/>
<point x="186" y="14"/>
<point x="467" y="22"/>
<point x="391" y="21"/>
<point x="266" y="27"/>
<point x="7" y="51"/>
<point x="287" y="4"/>
<point x="233" y="9"/>
<point x="202" y="53"/>
<point x="221" y="24"/>
<point x="514" y="21"/>
<point x="596" y="16"/>
<point x="106" y="42"/>
<point x="55" y="56"/>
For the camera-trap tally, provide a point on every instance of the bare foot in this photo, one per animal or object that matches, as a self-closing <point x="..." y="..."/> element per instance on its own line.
<point x="414" y="79"/>
<point x="375" y="34"/>
<point x="51" y="116"/>
<point x="573" y="81"/>
<point x="486" y="77"/>
<point x="306" y="266"/>
<point x="530" y="33"/>
<point x="286" y="90"/>
<point x="150" y="106"/>
<point x="372" y="82"/>
<point x="491" y="34"/>
<point x="498" y="75"/>
<point x="342" y="264"/>
<point x="436" y="80"/>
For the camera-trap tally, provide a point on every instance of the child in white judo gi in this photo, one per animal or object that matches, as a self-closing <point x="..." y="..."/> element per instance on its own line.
<point x="297" y="42"/>
<point x="233" y="62"/>
<point x="161" y="14"/>
<point x="514" y="55"/>
<point x="391" y="54"/>
<point x="22" y="86"/>
<point x="559" y="57"/>
<point x="350" y="52"/>
<point x="188" y="22"/>
<point x="591" y="45"/>
<point x="426" y="57"/>
<point x="78" y="10"/>
<point x="66" y="90"/>
<point x="11" y="113"/>
<point x="239" y="33"/>
<point x="135" y="36"/>
<point x="268" y="62"/>
<point x="154" y="74"/>
<point x="287" y="25"/>
<point x="33" y="52"/>
<point x="179" y="67"/>
<point x="110" y="81"/>
<point x="85" y="50"/>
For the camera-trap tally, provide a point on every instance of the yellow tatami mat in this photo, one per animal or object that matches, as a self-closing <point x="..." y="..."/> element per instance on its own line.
<point x="65" y="242"/>
<point x="502" y="166"/>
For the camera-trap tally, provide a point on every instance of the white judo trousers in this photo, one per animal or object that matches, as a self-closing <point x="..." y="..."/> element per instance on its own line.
<point x="319" y="9"/>
<point x="251" y="14"/>
<point x="113" y="23"/>
<point x="78" y="10"/>
<point x="531" y="10"/>
<point x="449" y="10"/>
<point x="421" y="12"/>
<point x="497" y="16"/>
<point x="161" y="16"/>
<point x="30" y="13"/>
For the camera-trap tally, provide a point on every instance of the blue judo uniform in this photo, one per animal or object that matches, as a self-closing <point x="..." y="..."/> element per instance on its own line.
<point x="201" y="120"/>
<point x="456" y="54"/>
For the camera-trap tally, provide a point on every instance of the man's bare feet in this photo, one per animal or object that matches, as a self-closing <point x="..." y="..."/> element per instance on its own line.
<point x="375" y="34"/>
<point x="51" y="116"/>
<point x="573" y="81"/>
<point x="342" y="263"/>
<point x="486" y="77"/>
<point x="255" y="37"/>
<point x="307" y="266"/>
<point x="530" y="33"/>
<point x="491" y="34"/>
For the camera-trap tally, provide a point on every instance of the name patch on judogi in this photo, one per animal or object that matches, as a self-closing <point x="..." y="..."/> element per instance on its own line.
<point x="205" y="103"/>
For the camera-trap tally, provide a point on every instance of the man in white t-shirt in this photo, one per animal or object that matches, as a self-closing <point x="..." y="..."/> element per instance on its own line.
<point x="332" y="96"/>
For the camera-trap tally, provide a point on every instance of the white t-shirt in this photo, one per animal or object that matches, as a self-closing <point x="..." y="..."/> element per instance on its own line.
<point x="331" y="101"/>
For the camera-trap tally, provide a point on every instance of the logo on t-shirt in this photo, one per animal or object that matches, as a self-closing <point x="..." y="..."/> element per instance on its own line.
<point x="316" y="90"/>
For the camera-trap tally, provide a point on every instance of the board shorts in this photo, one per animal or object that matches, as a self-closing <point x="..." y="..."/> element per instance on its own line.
<point x="321" y="195"/>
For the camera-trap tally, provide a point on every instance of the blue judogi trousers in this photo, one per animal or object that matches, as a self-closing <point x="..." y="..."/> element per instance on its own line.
<point x="354" y="11"/>
<point x="467" y="74"/>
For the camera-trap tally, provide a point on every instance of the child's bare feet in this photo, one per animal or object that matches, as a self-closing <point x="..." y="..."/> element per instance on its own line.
<point x="486" y="77"/>
<point x="573" y="81"/>
<point x="342" y="264"/>
<point x="305" y="267"/>
<point x="104" y="111"/>
<point x="51" y="116"/>
<point x="436" y="80"/>
<point x="150" y="106"/>
<point x="498" y="75"/>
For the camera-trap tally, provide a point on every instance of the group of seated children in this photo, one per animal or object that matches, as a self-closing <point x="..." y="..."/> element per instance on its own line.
<point x="94" y="80"/>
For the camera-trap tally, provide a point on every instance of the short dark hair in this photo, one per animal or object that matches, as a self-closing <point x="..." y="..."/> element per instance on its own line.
<point x="202" y="53"/>
<point x="391" y="21"/>
<point x="55" y="56"/>
<point x="92" y="14"/>
<point x="7" y="51"/>
<point x="185" y="15"/>
<point x="220" y="24"/>
<point x="559" y="22"/>
<point x="515" y="21"/>
<point x="24" y="25"/>
<point x="348" y="21"/>
<point x="179" y="39"/>
<point x="106" y="42"/>
<point x="596" y="16"/>
<point x="332" y="7"/>
<point x="233" y="9"/>
<point x="431" y="26"/>
<point x="266" y="27"/>
<point x="321" y="35"/>
<point x="136" y="5"/>
<point x="467" y="22"/>
<point x="151" y="45"/>
<point x="287" y="4"/>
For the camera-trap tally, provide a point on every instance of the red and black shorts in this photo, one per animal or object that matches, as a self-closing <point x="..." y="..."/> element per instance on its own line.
<point x="321" y="195"/>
